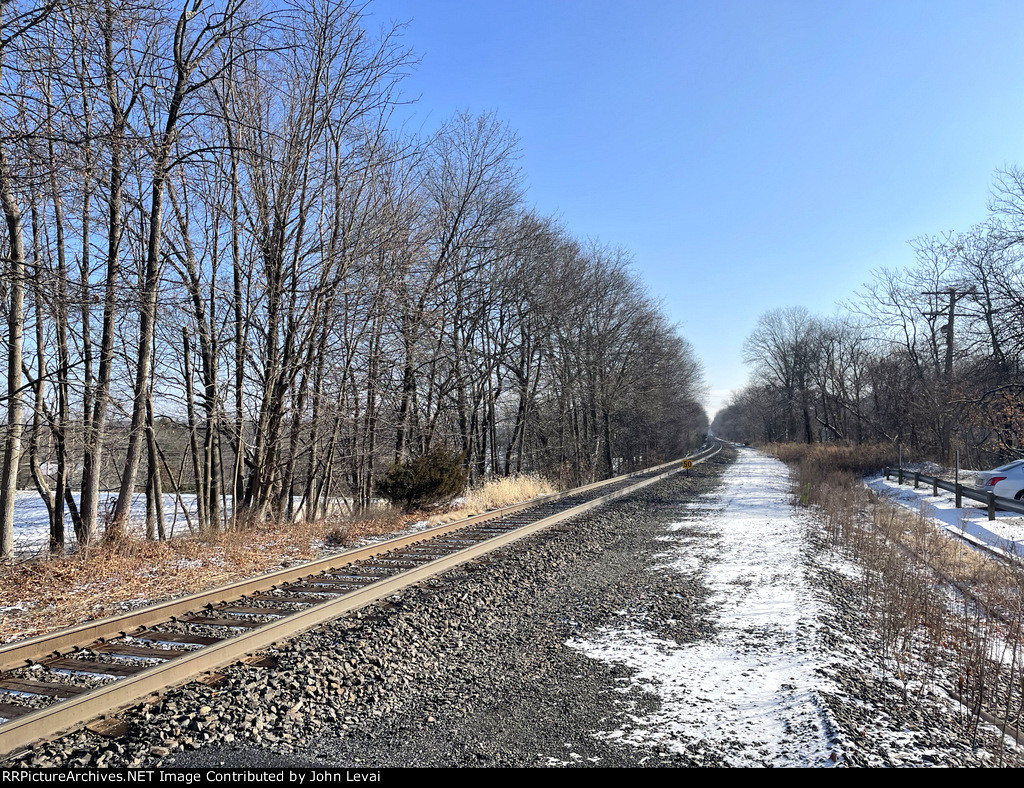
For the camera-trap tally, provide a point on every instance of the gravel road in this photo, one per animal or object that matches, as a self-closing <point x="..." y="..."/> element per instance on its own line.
<point x="484" y="666"/>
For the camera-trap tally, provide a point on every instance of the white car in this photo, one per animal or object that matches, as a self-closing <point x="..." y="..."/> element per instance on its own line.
<point x="1006" y="481"/>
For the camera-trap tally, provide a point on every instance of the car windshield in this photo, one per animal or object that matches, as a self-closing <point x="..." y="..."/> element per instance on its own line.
<point x="1009" y="466"/>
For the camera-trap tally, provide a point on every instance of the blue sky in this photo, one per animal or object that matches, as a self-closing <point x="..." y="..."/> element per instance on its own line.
<point x="750" y="155"/>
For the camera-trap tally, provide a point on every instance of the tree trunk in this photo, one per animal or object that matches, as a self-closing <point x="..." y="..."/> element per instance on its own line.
<point x="15" y="330"/>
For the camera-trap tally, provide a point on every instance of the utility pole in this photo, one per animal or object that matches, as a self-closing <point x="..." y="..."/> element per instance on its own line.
<point x="950" y="311"/>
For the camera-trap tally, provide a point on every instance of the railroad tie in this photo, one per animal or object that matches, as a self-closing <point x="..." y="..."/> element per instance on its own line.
<point x="118" y="669"/>
<point x="50" y="689"/>
<point x="188" y="639"/>
<point x="256" y="611"/>
<point x="11" y="712"/>
<point x="125" y="650"/>
<point x="211" y="621"/>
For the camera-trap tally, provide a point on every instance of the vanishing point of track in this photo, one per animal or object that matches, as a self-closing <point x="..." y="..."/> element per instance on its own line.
<point x="95" y="669"/>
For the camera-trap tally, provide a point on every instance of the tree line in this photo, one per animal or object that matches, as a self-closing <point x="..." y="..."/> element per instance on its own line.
<point x="930" y="356"/>
<point x="227" y="273"/>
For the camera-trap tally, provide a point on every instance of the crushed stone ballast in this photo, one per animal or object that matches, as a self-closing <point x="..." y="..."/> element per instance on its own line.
<point x="58" y="682"/>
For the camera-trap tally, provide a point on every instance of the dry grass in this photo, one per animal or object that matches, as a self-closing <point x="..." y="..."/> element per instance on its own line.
<point x="347" y="531"/>
<point x="45" y="595"/>
<point x="828" y="477"/>
<point x="497" y="493"/>
<point x="830" y="457"/>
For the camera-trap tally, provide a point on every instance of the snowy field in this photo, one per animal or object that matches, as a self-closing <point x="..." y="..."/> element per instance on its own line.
<point x="751" y="691"/>
<point x="32" y="522"/>
<point x="1004" y="535"/>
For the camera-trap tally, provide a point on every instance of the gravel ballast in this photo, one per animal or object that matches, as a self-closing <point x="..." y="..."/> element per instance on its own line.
<point x="474" y="668"/>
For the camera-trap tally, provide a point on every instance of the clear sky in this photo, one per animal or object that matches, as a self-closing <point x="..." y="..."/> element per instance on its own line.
<point x="749" y="154"/>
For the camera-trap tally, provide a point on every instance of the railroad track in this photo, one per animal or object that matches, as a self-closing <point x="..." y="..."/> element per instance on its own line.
<point x="59" y="682"/>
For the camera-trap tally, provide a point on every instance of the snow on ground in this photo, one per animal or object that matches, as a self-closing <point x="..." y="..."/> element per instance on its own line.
<point x="1004" y="535"/>
<point x="32" y="521"/>
<point x="751" y="690"/>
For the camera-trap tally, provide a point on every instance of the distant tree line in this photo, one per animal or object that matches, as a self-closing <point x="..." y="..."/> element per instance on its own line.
<point x="930" y="356"/>
<point x="224" y="272"/>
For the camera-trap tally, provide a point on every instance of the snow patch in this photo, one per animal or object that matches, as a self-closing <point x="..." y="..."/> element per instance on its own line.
<point x="750" y="692"/>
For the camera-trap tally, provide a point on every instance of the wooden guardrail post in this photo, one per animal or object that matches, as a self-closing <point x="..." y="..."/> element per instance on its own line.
<point x="901" y="475"/>
<point x="935" y="486"/>
<point x="959" y="495"/>
<point x="917" y="480"/>
<point x="991" y="505"/>
<point x="887" y="472"/>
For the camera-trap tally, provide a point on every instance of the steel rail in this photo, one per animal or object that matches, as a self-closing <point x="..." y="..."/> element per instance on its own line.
<point x="68" y="714"/>
<point x="29" y="650"/>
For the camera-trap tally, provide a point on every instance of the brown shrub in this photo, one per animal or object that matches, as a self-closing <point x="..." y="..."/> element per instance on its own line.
<point x="344" y="532"/>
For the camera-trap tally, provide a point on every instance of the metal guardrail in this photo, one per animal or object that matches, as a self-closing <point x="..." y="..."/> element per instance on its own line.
<point x="989" y="498"/>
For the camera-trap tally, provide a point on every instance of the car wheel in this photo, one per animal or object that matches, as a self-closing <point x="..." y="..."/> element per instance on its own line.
<point x="1019" y="496"/>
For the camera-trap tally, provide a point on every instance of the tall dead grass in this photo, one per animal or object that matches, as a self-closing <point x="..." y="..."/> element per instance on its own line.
<point x="496" y="493"/>
<point x="828" y="458"/>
